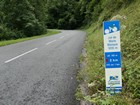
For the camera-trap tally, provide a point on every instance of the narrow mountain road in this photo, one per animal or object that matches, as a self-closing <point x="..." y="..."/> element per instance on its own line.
<point x="41" y="71"/>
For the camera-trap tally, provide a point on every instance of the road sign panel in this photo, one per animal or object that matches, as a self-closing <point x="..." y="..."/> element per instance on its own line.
<point x="112" y="60"/>
<point x="112" y="56"/>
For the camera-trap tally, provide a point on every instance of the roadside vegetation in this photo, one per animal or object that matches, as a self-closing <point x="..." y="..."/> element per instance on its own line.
<point x="8" y="42"/>
<point x="92" y="76"/>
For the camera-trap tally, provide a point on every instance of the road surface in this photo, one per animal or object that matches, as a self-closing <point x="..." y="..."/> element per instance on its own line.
<point x="41" y="71"/>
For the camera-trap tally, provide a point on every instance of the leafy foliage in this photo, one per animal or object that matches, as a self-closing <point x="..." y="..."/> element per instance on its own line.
<point x="22" y="16"/>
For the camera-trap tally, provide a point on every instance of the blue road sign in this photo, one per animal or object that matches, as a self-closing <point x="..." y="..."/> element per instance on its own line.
<point x="112" y="60"/>
<point x="111" y="27"/>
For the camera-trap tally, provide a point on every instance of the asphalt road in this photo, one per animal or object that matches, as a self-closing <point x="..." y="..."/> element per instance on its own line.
<point x="41" y="71"/>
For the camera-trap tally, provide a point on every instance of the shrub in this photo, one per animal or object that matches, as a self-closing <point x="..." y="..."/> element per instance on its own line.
<point x="61" y="23"/>
<point x="32" y="29"/>
<point x="7" y="33"/>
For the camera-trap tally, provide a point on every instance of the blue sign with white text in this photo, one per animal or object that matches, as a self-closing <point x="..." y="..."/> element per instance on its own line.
<point x="112" y="60"/>
<point x="114" y="89"/>
<point x="111" y="27"/>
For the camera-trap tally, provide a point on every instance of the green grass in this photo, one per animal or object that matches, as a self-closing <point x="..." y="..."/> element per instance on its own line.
<point x="94" y="71"/>
<point x="8" y="42"/>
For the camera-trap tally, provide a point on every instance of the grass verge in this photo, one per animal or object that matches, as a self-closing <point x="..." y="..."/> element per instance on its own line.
<point x="8" y="42"/>
<point x="93" y="74"/>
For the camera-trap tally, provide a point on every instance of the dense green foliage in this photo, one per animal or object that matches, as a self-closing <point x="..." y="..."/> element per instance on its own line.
<point x="21" y="18"/>
<point x="26" y="18"/>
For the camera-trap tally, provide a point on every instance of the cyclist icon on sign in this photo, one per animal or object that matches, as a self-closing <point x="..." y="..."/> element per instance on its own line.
<point x="111" y="29"/>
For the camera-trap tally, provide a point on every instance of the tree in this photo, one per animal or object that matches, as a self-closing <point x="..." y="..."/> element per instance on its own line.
<point x="21" y="15"/>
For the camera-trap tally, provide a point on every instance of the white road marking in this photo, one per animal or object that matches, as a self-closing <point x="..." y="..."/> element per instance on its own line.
<point x="62" y="37"/>
<point x="50" y="42"/>
<point x="21" y="55"/>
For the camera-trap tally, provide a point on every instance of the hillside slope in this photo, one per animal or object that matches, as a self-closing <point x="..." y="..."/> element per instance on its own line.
<point x="92" y="76"/>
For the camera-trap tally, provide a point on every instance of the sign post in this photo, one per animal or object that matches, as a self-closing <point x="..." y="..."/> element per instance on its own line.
<point x="112" y="56"/>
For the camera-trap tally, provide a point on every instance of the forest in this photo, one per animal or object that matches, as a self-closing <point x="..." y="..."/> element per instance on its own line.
<point x="27" y="18"/>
